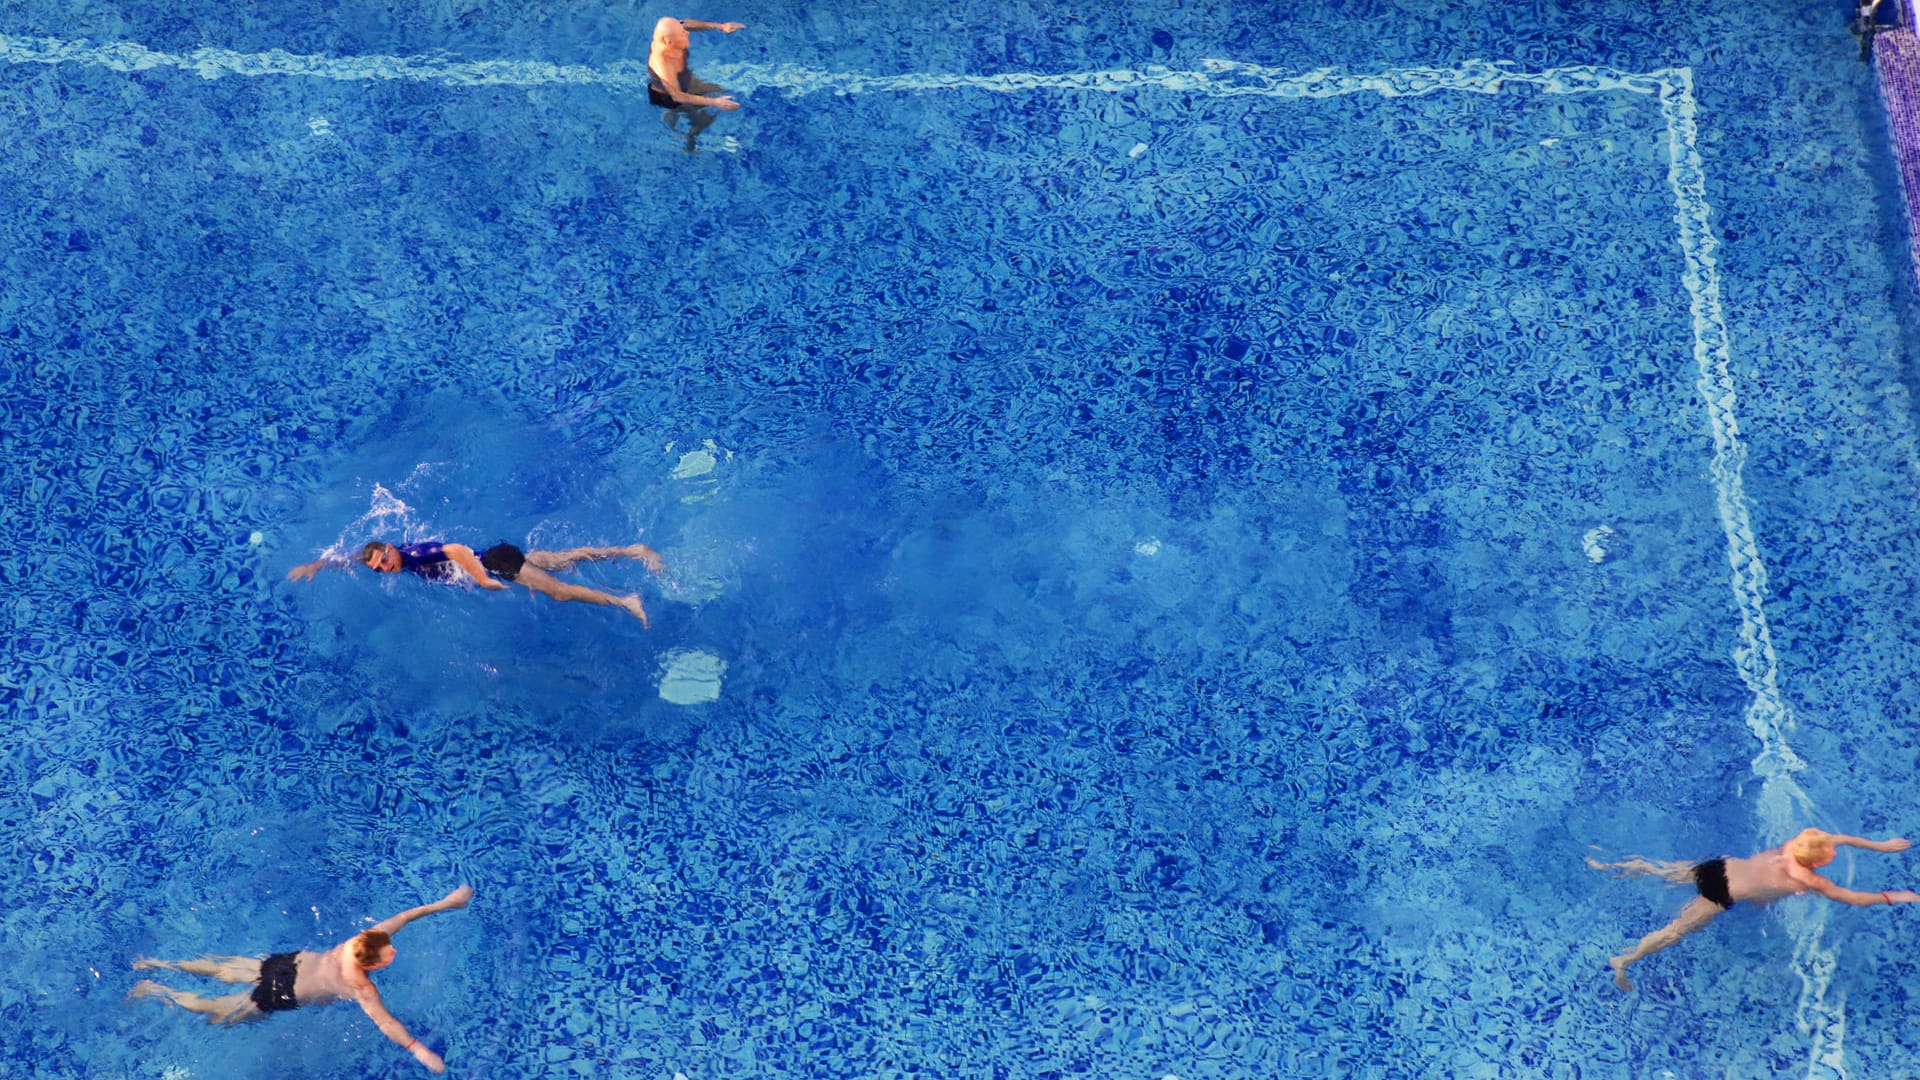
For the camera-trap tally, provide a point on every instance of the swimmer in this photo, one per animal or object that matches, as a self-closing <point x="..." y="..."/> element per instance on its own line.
<point x="673" y="87"/>
<point x="534" y="569"/>
<point x="289" y="980"/>
<point x="1787" y="870"/>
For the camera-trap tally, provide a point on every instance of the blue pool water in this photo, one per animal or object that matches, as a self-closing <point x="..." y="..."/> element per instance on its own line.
<point x="1184" y="525"/>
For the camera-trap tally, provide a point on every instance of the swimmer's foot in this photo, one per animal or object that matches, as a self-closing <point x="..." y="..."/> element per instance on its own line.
<point x="1619" y="966"/>
<point x="148" y="988"/>
<point x="647" y="556"/>
<point x="634" y="608"/>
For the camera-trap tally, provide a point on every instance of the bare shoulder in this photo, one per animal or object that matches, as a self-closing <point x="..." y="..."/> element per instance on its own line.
<point x="1800" y="874"/>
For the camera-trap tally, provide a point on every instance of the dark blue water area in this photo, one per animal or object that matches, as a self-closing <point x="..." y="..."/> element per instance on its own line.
<point x="1193" y="574"/>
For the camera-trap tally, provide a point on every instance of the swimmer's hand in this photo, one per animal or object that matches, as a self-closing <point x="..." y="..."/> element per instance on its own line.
<point x="428" y="1058"/>
<point x="730" y="27"/>
<point x="458" y="898"/>
<point x="1898" y="843"/>
<point x="1903" y="896"/>
<point x="305" y="571"/>
<point x="489" y="583"/>
<point x="725" y="104"/>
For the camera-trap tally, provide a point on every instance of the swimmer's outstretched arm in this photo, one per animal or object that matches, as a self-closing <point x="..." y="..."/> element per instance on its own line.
<point x="306" y="571"/>
<point x="369" y="1000"/>
<point x="1888" y="846"/>
<point x="681" y="97"/>
<point x="1812" y="880"/>
<point x="465" y="559"/>
<point x="456" y="899"/>
<point x="1863" y="899"/>
<point x="723" y="27"/>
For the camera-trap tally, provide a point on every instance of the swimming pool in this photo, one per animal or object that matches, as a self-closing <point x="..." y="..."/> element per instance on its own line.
<point x="1190" y="523"/>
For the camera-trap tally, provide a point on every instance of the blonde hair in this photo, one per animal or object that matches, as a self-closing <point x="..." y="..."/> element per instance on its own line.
<point x="1811" y="848"/>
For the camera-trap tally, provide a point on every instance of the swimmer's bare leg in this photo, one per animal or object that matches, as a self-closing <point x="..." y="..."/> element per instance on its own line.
<point x="542" y="582"/>
<point x="1699" y="912"/>
<point x="229" y="969"/>
<point x="556" y="561"/>
<point x="698" y="120"/>
<point x="231" y="1009"/>
<point x="1680" y="873"/>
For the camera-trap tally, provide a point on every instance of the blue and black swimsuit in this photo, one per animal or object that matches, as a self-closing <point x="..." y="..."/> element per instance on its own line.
<point x="430" y="561"/>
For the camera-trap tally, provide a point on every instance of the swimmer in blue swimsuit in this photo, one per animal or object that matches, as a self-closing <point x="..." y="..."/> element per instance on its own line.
<point x="673" y="87"/>
<point x="286" y="981"/>
<point x="1787" y="870"/>
<point x="453" y="563"/>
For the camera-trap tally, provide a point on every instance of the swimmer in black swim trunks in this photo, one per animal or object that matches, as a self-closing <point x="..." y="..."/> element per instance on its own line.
<point x="673" y="87"/>
<point x="449" y="563"/>
<point x="289" y="980"/>
<point x="1787" y="870"/>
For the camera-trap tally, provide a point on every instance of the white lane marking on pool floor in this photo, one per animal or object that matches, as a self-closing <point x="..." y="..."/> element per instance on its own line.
<point x="1768" y="716"/>
<point x="216" y="63"/>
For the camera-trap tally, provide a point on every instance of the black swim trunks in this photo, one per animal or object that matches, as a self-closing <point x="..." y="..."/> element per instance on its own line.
<point x="274" y="991"/>
<point x="503" y="561"/>
<point x="657" y="90"/>
<point x="1710" y="878"/>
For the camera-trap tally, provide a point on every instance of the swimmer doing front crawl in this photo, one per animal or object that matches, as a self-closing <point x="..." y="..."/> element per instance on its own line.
<point x="448" y="563"/>
<point x="1787" y="870"/>
<point x="289" y="980"/>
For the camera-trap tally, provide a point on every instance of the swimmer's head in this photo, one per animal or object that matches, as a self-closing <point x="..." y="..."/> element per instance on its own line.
<point x="373" y="949"/>
<point x="381" y="556"/>
<point x="1811" y="849"/>
<point x="669" y="32"/>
